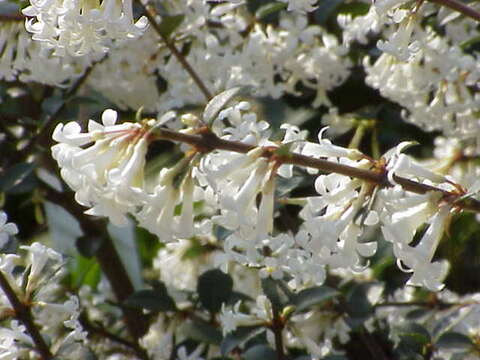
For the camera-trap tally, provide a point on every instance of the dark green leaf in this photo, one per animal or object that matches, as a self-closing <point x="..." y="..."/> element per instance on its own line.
<point x="169" y="24"/>
<point x="260" y="352"/>
<point x="454" y="340"/>
<point x="325" y="10"/>
<point x="357" y="303"/>
<point x="238" y="296"/>
<point x="269" y="8"/>
<point x="214" y="288"/>
<point x="313" y="296"/>
<point x="285" y="185"/>
<point x="15" y="175"/>
<point x="335" y="357"/>
<point x="156" y="299"/>
<point x="88" y="245"/>
<point x="270" y="289"/>
<point x="238" y="337"/>
<point x="417" y="314"/>
<point x="52" y="104"/>
<point x="355" y="8"/>
<point x="85" y="272"/>
<point x="202" y="331"/>
<point x="413" y="335"/>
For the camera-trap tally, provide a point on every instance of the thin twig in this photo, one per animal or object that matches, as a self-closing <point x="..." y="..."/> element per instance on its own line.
<point x="460" y="7"/>
<point x="277" y="328"/>
<point x="23" y="313"/>
<point x="208" y="141"/>
<point x="98" y="329"/>
<point x="151" y="16"/>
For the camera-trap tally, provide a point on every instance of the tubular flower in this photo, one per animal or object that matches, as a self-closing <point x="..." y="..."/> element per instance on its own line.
<point x="105" y="176"/>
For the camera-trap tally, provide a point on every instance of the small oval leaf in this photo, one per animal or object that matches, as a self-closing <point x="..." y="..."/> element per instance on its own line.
<point x="214" y="288"/>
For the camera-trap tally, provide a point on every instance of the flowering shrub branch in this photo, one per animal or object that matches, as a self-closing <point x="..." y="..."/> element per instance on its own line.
<point x="22" y="313"/>
<point x="206" y="141"/>
<point x="149" y="12"/>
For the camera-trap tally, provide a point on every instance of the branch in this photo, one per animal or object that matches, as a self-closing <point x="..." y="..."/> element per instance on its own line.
<point x="207" y="141"/>
<point x="98" y="329"/>
<point x="110" y="263"/>
<point x="277" y="328"/>
<point x="22" y="313"/>
<point x="43" y="137"/>
<point x="460" y="7"/>
<point x="151" y="16"/>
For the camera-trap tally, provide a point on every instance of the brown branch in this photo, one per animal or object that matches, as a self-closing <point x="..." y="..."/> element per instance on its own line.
<point x="208" y="141"/>
<point x="110" y="263"/>
<point x="151" y="15"/>
<point x="12" y="17"/>
<point x="98" y="329"/>
<point x="460" y="7"/>
<point x="277" y="328"/>
<point x="23" y="314"/>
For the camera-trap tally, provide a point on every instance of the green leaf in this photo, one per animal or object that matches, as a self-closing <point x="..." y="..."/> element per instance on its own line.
<point x="156" y="299"/>
<point x="335" y="357"/>
<point x="169" y="24"/>
<point x="417" y="314"/>
<point x="202" y="331"/>
<point x="270" y="289"/>
<point x="313" y="296"/>
<point x="454" y="341"/>
<point x="214" y="288"/>
<point x="260" y="352"/>
<point x="325" y="10"/>
<point x="125" y="243"/>
<point x="412" y="335"/>
<point x="85" y="272"/>
<point x="269" y="9"/>
<point x="238" y="337"/>
<point x="357" y="303"/>
<point x="64" y="229"/>
<point x="285" y="185"/>
<point x="220" y="101"/>
<point x="52" y="104"/>
<point x="354" y="8"/>
<point x="15" y="176"/>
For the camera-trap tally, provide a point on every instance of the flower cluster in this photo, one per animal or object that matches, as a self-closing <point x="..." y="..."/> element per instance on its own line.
<point x="108" y="177"/>
<point x="38" y="285"/>
<point x="80" y="28"/>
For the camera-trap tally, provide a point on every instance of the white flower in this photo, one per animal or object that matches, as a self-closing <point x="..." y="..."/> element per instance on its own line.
<point x="301" y="6"/>
<point x="6" y="229"/>
<point x="75" y="28"/>
<point x="107" y="175"/>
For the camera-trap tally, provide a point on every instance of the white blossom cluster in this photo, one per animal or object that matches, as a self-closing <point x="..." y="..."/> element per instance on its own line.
<point x="55" y="314"/>
<point x="107" y="176"/>
<point x="80" y="28"/>
<point x="273" y="59"/>
<point x="24" y="59"/>
<point x="427" y="73"/>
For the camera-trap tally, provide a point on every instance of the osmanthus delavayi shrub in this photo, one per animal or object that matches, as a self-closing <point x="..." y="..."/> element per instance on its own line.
<point x="293" y="179"/>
